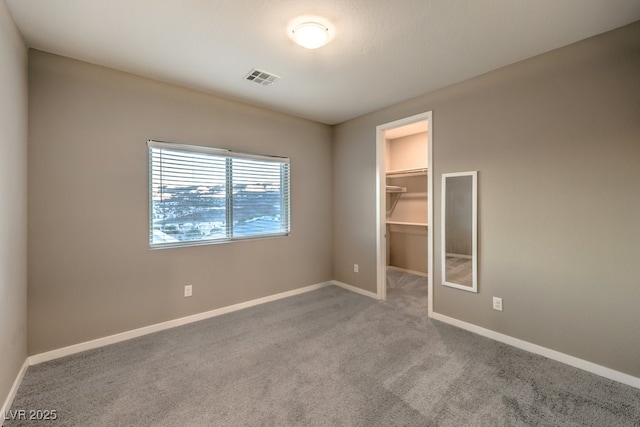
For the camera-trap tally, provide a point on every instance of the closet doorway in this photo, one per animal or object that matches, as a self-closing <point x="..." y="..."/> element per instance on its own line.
<point x="404" y="201"/>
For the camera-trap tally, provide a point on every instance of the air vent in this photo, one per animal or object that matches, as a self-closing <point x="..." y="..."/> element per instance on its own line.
<point x="261" y="77"/>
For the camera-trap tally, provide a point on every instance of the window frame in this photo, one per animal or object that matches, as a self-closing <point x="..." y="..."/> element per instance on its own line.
<point x="228" y="155"/>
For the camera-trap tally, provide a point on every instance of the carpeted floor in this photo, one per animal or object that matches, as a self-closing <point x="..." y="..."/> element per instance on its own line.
<point x="324" y="358"/>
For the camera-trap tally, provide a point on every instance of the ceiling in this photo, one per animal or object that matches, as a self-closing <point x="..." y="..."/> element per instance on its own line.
<point x="383" y="52"/>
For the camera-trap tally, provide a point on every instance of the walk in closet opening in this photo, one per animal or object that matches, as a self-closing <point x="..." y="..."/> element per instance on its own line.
<point x="405" y="243"/>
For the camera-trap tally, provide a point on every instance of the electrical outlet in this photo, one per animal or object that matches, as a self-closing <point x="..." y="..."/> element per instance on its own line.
<point x="497" y="303"/>
<point x="188" y="290"/>
<point x="355" y="268"/>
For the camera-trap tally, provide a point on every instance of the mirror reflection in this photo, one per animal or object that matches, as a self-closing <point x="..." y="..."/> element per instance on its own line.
<point x="459" y="258"/>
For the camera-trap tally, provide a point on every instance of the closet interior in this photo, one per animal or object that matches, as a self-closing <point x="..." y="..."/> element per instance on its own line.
<point x="407" y="199"/>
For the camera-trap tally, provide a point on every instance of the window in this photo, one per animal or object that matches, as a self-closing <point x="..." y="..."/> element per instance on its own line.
<point x="202" y="195"/>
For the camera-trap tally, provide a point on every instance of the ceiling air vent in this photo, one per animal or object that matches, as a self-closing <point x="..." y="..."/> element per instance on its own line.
<point x="261" y="77"/>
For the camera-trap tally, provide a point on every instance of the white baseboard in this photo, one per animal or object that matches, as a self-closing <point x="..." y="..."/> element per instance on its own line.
<point x="458" y="256"/>
<point x="356" y="290"/>
<point x="404" y="270"/>
<point x="123" y="336"/>
<point x="544" y="351"/>
<point x="13" y="391"/>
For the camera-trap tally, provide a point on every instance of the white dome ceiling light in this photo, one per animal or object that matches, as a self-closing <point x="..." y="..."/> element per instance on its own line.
<point x="310" y="32"/>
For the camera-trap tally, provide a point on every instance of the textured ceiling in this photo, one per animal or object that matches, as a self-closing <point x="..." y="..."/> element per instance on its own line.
<point x="384" y="51"/>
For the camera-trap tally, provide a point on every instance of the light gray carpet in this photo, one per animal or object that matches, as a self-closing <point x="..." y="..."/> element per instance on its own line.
<point x="328" y="357"/>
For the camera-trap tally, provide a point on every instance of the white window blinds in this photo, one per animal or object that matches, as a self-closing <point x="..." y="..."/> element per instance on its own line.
<point x="201" y="195"/>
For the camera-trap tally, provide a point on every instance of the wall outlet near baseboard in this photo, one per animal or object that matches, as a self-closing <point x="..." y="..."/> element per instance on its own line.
<point x="497" y="303"/>
<point x="188" y="290"/>
<point x="355" y="268"/>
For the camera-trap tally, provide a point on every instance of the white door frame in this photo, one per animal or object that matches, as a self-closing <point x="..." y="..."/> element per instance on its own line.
<point x="382" y="208"/>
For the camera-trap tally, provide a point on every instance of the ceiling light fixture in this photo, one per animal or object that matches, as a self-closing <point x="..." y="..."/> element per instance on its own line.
<point x="310" y="32"/>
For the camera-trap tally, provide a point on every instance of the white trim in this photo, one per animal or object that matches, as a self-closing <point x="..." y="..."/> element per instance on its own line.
<point x="430" y="218"/>
<point x="381" y="214"/>
<point x="544" y="351"/>
<point x="381" y="247"/>
<point x="404" y="270"/>
<point x="13" y="391"/>
<point x="123" y="336"/>
<point x="356" y="290"/>
<point x="178" y="146"/>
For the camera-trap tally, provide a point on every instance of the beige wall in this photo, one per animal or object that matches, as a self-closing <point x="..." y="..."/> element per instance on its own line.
<point x="410" y="206"/>
<point x="407" y="247"/>
<point x="13" y="214"/>
<point x="556" y="141"/>
<point x="91" y="273"/>
<point x="407" y="152"/>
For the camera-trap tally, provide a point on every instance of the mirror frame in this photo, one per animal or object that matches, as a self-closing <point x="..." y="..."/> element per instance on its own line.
<point x="474" y="231"/>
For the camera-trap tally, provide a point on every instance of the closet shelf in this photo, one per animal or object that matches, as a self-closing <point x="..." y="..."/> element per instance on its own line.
<point x="406" y="172"/>
<point x="417" y="224"/>
<point x="396" y="189"/>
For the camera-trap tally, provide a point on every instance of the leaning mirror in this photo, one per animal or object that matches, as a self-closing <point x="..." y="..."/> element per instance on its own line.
<point x="459" y="230"/>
